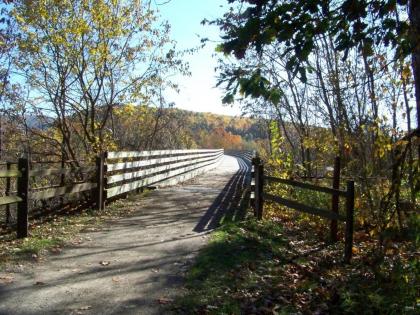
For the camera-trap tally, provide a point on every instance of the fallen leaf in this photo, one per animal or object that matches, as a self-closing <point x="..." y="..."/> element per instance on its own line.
<point x="164" y="300"/>
<point x="6" y="279"/>
<point x="85" y="308"/>
<point x="55" y="250"/>
<point x="212" y="307"/>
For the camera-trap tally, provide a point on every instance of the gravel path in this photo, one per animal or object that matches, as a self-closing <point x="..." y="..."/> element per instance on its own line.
<point x="135" y="264"/>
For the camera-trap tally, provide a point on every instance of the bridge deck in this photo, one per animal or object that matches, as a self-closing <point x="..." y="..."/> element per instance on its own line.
<point x="147" y="252"/>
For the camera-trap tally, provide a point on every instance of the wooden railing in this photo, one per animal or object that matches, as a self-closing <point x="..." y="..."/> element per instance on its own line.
<point x="128" y="171"/>
<point x="244" y="154"/>
<point x="115" y="174"/>
<point x="30" y="188"/>
<point x="259" y="197"/>
<point x="8" y="200"/>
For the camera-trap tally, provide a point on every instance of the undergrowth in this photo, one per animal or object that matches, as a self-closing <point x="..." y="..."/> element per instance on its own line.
<point x="281" y="267"/>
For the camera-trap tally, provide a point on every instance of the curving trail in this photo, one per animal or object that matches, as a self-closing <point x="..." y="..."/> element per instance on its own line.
<point x="144" y="256"/>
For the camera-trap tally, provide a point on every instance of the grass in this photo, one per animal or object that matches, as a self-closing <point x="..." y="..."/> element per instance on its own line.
<point x="225" y="271"/>
<point x="44" y="236"/>
<point x="36" y="245"/>
<point x="281" y="268"/>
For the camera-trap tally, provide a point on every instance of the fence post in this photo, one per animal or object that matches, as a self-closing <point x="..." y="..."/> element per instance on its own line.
<point x="23" y="193"/>
<point x="349" y="222"/>
<point x="100" y="195"/>
<point x="260" y="190"/>
<point x="62" y="176"/>
<point x="259" y="178"/>
<point x="7" y="193"/>
<point x="335" y="199"/>
<point x="254" y="163"/>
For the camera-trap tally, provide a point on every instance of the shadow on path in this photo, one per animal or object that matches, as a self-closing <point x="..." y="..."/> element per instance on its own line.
<point x="132" y="262"/>
<point x="231" y="204"/>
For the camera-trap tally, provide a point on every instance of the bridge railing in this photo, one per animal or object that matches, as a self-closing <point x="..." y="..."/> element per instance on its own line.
<point x="115" y="174"/>
<point x="129" y="171"/>
<point x="244" y="154"/>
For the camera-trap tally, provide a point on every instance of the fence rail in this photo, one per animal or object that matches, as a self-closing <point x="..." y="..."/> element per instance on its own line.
<point x="60" y="171"/>
<point x="114" y="174"/>
<point x="8" y="200"/>
<point x="259" y="196"/>
<point x="169" y="164"/>
<point x="294" y="183"/>
<point x="141" y="154"/>
<point x="243" y="154"/>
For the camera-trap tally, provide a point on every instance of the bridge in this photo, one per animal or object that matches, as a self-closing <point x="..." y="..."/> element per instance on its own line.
<point x="135" y="263"/>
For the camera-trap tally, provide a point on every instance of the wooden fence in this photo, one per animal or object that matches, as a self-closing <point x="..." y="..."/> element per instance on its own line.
<point x="243" y="154"/>
<point x="8" y="200"/>
<point x="128" y="171"/>
<point x="113" y="175"/>
<point x="259" y="197"/>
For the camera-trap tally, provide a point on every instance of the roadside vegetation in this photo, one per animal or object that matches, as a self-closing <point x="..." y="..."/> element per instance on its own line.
<point x="282" y="266"/>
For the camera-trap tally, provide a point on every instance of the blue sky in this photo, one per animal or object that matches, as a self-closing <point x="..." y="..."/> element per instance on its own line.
<point x="198" y="92"/>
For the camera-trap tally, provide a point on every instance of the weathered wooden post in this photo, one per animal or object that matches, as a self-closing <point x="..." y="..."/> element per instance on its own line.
<point x="7" y="193"/>
<point x="259" y="177"/>
<point x="101" y="170"/>
<point x="62" y="176"/>
<point x="23" y="193"/>
<point x="335" y="199"/>
<point x="260" y="190"/>
<point x="349" y="222"/>
<point x="253" y="171"/>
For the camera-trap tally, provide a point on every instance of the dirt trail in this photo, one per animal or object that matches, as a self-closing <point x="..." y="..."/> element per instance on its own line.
<point x="135" y="263"/>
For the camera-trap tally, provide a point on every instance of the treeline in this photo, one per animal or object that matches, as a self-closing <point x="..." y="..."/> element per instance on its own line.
<point x="133" y="128"/>
<point x="146" y="128"/>
<point x="219" y="131"/>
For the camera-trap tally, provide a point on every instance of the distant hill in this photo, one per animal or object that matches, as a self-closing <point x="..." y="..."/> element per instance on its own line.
<point x="134" y="128"/>
<point x="213" y="130"/>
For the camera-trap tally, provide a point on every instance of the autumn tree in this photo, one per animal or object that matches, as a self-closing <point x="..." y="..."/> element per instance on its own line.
<point x="156" y="128"/>
<point x="7" y="43"/>
<point x="80" y="59"/>
<point x="8" y="37"/>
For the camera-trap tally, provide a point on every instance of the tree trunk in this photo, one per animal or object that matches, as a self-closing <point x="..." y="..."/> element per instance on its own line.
<point x="414" y="15"/>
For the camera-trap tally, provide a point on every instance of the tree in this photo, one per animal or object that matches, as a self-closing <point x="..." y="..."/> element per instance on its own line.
<point x="8" y="36"/>
<point x="359" y="24"/>
<point x="81" y="59"/>
<point x="7" y="43"/>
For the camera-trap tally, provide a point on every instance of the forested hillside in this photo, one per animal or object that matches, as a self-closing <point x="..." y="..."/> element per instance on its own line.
<point x="132" y="128"/>
<point x="218" y="131"/>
